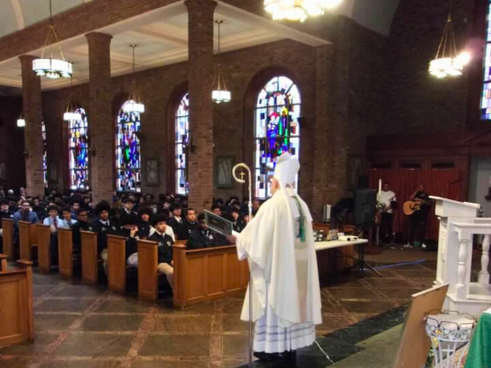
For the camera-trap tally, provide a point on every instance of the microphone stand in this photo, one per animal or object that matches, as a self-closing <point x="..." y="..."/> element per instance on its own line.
<point x="241" y="180"/>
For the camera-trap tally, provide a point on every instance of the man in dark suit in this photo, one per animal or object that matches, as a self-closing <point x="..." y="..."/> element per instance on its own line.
<point x="176" y="222"/>
<point x="81" y="224"/>
<point x="165" y="253"/>
<point x="103" y="226"/>
<point x="203" y="237"/>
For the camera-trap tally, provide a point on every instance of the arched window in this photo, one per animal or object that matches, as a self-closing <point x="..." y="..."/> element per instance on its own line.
<point x="182" y="135"/>
<point x="78" y="152"/>
<point x="486" y="90"/>
<point x="45" y="155"/>
<point x="276" y="129"/>
<point x="128" y="158"/>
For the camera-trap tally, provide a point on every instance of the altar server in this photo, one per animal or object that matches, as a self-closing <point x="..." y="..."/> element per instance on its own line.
<point x="279" y="245"/>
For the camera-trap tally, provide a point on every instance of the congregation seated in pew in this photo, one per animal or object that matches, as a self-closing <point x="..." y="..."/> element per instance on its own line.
<point x="81" y="224"/>
<point x="203" y="237"/>
<point x="23" y="214"/>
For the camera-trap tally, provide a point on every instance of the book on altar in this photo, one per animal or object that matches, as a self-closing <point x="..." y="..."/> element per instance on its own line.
<point x="218" y="223"/>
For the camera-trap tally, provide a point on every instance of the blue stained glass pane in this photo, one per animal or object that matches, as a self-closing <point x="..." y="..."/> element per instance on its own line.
<point x="182" y="134"/>
<point x="78" y="145"/>
<point x="45" y="155"/>
<point x="276" y="129"/>
<point x="128" y="157"/>
<point x="486" y="95"/>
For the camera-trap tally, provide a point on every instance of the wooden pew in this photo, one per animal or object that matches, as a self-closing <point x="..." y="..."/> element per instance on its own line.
<point x="8" y="238"/>
<point x="16" y="313"/>
<point x="65" y="252"/>
<point x="27" y="239"/>
<point x="90" y="258"/>
<point x="43" y="235"/>
<point x="148" y="278"/>
<point x="206" y="274"/>
<point x="3" y="262"/>
<point x="116" y="266"/>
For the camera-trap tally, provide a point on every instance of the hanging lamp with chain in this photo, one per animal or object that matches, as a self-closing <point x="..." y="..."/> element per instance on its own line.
<point x="298" y="10"/>
<point x="448" y="62"/>
<point x="51" y="67"/>
<point x="71" y="113"/>
<point x="134" y="104"/>
<point x="220" y="93"/>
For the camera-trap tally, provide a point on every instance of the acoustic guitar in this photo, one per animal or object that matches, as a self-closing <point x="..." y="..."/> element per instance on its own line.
<point x="411" y="206"/>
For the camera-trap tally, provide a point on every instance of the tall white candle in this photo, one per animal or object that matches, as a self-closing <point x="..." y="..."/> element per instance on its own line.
<point x="380" y="185"/>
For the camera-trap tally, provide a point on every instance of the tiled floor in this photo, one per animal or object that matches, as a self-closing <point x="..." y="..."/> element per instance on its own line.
<point x="79" y="326"/>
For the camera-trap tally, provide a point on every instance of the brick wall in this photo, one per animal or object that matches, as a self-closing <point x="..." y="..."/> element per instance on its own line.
<point x="11" y="144"/>
<point x="417" y="102"/>
<point x="349" y="109"/>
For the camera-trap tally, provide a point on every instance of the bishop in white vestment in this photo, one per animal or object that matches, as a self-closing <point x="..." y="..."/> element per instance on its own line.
<point x="279" y="246"/>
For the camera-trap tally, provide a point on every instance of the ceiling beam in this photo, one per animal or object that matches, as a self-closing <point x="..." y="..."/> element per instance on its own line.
<point x="19" y="16"/>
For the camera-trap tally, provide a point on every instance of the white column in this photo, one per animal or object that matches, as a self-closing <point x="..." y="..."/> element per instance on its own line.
<point x="484" y="274"/>
<point x="462" y="286"/>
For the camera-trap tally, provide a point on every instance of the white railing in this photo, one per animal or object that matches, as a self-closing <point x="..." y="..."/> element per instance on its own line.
<point x="464" y="289"/>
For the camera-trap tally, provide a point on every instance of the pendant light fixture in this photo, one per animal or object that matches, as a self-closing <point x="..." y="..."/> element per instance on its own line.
<point x="134" y="103"/>
<point x="220" y="93"/>
<point x="21" y="122"/>
<point x="71" y="113"/>
<point x="51" y="67"/>
<point x="298" y="10"/>
<point x="447" y="62"/>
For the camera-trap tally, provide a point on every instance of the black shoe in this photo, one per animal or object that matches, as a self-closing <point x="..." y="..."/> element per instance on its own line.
<point x="267" y="357"/>
<point x="289" y="355"/>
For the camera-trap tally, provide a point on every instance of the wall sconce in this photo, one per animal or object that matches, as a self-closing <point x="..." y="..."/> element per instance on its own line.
<point x="26" y="153"/>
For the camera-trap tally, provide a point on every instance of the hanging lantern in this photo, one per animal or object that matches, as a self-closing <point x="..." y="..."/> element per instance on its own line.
<point x="298" y="10"/>
<point x="134" y="103"/>
<point x="51" y="67"/>
<point x="220" y="93"/>
<point x="447" y="62"/>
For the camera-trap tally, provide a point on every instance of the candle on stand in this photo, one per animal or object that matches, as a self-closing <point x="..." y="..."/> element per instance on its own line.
<point x="380" y="185"/>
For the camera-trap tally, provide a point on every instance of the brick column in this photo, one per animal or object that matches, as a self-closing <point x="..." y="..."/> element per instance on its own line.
<point x="200" y="13"/>
<point x="323" y="105"/>
<point x="31" y="97"/>
<point x="101" y="124"/>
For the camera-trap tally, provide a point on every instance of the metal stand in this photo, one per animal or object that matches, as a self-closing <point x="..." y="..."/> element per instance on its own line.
<point x="361" y="263"/>
<point x="242" y="181"/>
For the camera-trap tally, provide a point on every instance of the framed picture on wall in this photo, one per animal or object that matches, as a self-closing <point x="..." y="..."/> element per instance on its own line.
<point x="152" y="172"/>
<point x="356" y="168"/>
<point x="223" y="171"/>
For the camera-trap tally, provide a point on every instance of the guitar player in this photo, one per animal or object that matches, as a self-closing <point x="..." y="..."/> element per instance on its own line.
<point x="417" y="221"/>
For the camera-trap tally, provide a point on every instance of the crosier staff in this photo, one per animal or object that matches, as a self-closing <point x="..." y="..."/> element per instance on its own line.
<point x="241" y="180"/>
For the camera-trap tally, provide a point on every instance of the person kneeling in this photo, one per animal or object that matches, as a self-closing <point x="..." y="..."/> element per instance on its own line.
<point x="166" y="264"/>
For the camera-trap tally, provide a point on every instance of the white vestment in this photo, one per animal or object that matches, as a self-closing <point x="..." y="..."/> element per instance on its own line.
<point x="286" y="303"/>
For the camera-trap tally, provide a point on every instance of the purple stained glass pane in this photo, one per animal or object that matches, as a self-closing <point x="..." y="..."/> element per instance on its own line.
<point x="276" y="129"/>
<point x="128" y="158"/>
<point x="78" y="144"/>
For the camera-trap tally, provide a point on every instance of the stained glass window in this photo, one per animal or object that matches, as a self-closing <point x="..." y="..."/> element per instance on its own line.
<point x="486" y="92"/>
<point x="182" y="135"/>
<point x="78" y="152"/>
<point x="45" y="155"/>
<point x="128" y="158"/>
<point x="276" y="129"/>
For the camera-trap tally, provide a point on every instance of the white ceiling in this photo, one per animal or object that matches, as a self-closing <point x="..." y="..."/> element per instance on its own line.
<point x="18" y="14"/>
<point x="161" y="34"/>
<point x="162" y="39"/>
